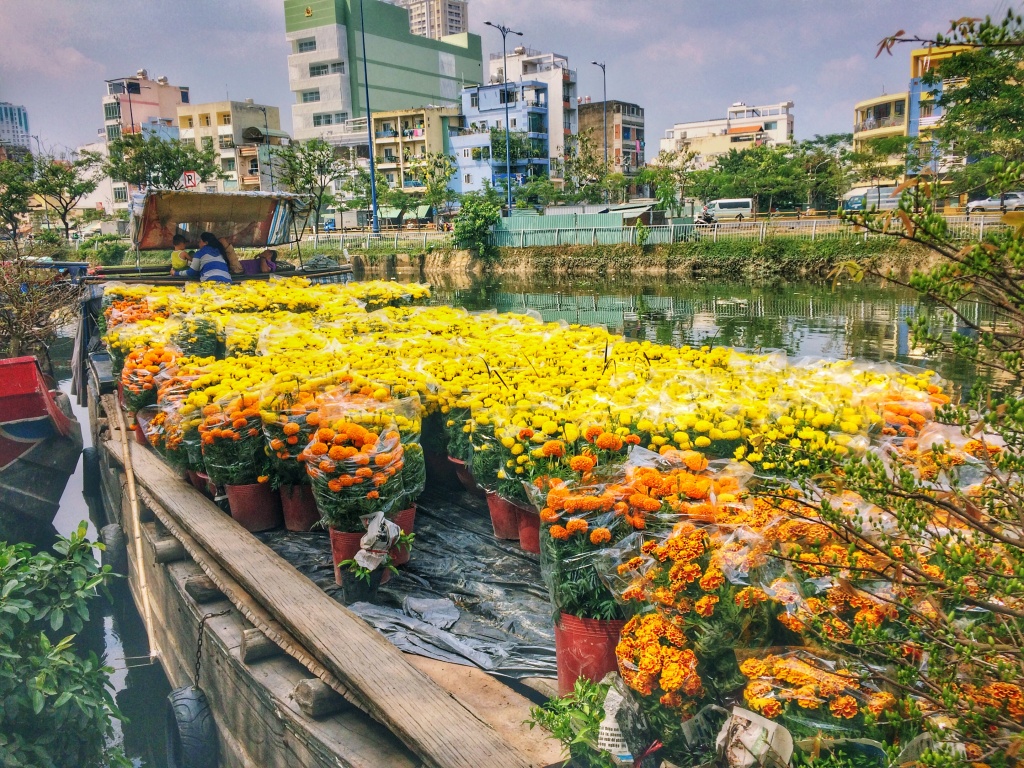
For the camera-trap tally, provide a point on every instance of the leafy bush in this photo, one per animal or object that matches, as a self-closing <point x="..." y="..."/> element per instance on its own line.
<point x="476" y="217"/>
<point x="108" y="250"/>
<point x="57" y="708"/>
<point x="50" y="237"/>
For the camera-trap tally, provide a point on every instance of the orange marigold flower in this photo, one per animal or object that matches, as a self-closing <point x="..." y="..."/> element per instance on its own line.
<point x="748" y="597"/>
<point x="548" y="515"/>
<point x="558" y="532"/>
<point x="632" y="439"/>
<point x="843" y="706"/>
<point x="600" y="536"/>
<point x="582" y="463"/>
<point x="694" y="461"/>
<point x="706" y="605"/>
<point x="607" y="441"/>
<point x="318" y="449"/>
<point x="525" y="434"/>
<point x="712" y="580"/>
<point x="577" y="525"/>
<point x="335" y="485"/>
<point x="590" y="433"/>
<point x="336" y="453"/>
<point x="554" y="448"/>
<point x="373" y="495"/>
<point x="291" y="428"/>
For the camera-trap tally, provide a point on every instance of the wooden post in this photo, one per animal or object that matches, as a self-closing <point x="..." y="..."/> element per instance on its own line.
<point x="167" y="549"/>
<point x="316" y="699"/>
<point x="256" y="646"/>
<point x="201" y="588"/>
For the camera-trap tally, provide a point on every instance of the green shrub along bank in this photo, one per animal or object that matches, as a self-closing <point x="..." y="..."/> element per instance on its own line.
<point x="773" y="258"/>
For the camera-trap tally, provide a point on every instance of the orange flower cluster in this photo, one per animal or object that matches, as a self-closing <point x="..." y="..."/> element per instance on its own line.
<point x="348" y="455"/>
<point x="236" y="420"/>
<point x="141" y="367"/>
<point x="654" y="660"/>
<point x="125" y="311"/>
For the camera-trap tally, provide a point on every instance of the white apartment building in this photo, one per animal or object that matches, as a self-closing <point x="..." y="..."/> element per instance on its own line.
<point x="552" y="69"/>
<point x="14" y="125"/>
<point x="102" y="198"/>
<point x="436" y="18"/>
<point x="742" y="127"/>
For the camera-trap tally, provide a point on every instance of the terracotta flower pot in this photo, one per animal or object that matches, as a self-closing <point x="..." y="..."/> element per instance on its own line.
<point x="584" y="648"/>
<point x="299" y="507"/>
<point x="140" y="435"/>
<point x="343" y="547"/>
<point x="504" y="517"/>
<point x="529" y="529"/>
<point x="256" y="506"/>
<point x="406" y="520"/>
<point x="465" y="475"/>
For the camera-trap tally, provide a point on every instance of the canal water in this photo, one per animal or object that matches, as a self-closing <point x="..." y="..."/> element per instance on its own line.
<point x="804" y="319"/>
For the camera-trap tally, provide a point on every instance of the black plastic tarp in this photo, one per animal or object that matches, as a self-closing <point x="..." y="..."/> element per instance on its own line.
<point x="464" y="596"/>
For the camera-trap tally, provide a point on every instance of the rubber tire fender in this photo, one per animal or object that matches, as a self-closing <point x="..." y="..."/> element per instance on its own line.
<point x="115" y="553"/>
<point x="91" y="472"/>
<point x="190" y="729"/>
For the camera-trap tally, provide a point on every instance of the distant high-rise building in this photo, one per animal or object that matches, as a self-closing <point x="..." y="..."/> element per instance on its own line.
<point x="625" y="140"/>
<point x="436" y="18"/>
<point x="742" y="127"/>
<point x="325" y="67"/>
<point x="14" y="126"/>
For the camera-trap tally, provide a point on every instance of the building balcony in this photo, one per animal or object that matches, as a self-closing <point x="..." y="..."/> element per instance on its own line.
<point x="385" y="134"/>
<point x="879" y="123"/>
<point x="412" y="184"/>
<point x="412" y="133"/>
<point x="388" y="160"/>
<point x="250" y="179"/>
<point x="249" y="150"/>
<point x="930" y="121"/>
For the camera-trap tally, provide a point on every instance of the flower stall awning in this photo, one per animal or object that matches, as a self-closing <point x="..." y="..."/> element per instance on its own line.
<point x="245" y="219"/>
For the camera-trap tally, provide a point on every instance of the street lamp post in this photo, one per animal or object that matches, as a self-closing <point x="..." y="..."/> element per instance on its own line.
<point x="604" y="102"/>
<point x="266" y="140"/>
<point x="369" y="125"/>
<point x="505" y="31"/>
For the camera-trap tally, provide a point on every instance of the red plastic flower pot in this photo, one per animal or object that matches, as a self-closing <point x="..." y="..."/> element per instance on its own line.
<point x="256" y="507"/>
<point x="200" y="482"/>
<point x="584" y="648"/>
<point x="529" y="529"/>
<point x="343" y="547"/>
<point x="299" y="507"/>
<point x="504" y="517"/>
<point x="406" y="520"/>
<point x="465" y="475"/>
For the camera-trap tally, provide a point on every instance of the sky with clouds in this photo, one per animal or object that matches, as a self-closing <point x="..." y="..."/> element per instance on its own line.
<point x="680" y="59"/>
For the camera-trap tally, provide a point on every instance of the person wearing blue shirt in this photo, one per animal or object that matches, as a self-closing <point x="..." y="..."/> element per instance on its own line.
<point x="210" y="263"/>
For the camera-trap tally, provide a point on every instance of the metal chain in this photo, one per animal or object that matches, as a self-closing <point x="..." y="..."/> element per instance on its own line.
<point x="199" y="643"/>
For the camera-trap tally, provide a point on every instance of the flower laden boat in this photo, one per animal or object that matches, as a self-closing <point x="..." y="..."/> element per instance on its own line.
<point x="40" y="443"/>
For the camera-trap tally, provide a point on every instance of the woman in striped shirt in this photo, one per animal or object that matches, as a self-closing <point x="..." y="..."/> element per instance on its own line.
<point x="210" y="262"/>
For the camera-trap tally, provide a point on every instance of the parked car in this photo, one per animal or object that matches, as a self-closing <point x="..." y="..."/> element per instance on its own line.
<point x="1011" y="201"/>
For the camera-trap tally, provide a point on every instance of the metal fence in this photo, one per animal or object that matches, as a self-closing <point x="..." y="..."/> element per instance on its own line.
<point x="959" y="228"/>
<point x="398" y="239"/>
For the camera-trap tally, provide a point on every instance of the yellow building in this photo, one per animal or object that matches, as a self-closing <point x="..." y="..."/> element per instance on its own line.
<point x="403" y="135"/>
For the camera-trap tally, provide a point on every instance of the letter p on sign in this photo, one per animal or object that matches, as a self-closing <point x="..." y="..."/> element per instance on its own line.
<point x="190" y="179"/>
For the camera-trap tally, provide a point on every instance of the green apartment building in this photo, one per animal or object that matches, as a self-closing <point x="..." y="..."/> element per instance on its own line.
<point x="325" y="66"/>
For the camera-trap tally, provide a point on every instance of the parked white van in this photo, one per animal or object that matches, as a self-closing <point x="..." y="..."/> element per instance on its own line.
<point x="738" y="208"/>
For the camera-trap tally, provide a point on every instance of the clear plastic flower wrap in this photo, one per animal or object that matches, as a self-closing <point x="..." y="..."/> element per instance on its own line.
<point x="144" y="369"/>
<point x="197" y="335"/>
<point x="234" y="450"/>
<point x="356" y="471"/>
<point x="812" y="694"/>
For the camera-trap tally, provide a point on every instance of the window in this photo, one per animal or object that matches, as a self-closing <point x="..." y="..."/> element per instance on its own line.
<point x="225" y="119"/>
<point x="113" y="133"/>
<point x="338" y="68"/>
<point x="321" y="120"/>
<point x="474" y="100"/>
<point x="626" y="133"/>
<point x="112" y="111"/>
<point x="771" y="126"/>
<point x="228" y="164"/>
<point x="318" y="70"/>
<point x="254" y="166"/>
<point x="899" y="108"/>
<point x="310" y="96"/>
<point x="120" y="194"/>
<point x="513" y="122"/>
<point x="191" y="122"/>
<point x="469" y="179"/>
<point x="225" y="142"/>
<point x="184" y="95"/>
<point x="307" y="45"/>
<point x="340" y="117"/>
<point x="204" y="120"/>
<point x="206" y="142"/>
<point x="465" y="153"/>
<point x="927" y="110"/>
<point x="507" y="94"/>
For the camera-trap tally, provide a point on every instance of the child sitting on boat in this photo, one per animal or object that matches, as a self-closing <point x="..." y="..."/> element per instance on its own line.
<point x="210" y="262"/>
<point x="180" y="256"/>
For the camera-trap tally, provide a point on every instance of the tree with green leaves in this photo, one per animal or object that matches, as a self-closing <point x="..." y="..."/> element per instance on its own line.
<point x="826" y="162"/>
<point x="57" y="707"/>
<point x="478" y="213"/>
<point x="357" y="186"/>
<point x="583" y="168"/>
<point x="537" y="190"/>
<point x="881" y="158"/>
<point x="768" y="174"/>
<point x="670" y="175"/>
<point x="312" y="168"/>
<point x="63" y="181"/>
<point x="151" y="161"/>
<point x="436" y="171"/>
<point x="15" y="194"/>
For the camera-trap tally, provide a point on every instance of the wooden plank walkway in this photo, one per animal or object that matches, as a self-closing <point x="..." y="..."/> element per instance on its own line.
<point x="428" y="719"/>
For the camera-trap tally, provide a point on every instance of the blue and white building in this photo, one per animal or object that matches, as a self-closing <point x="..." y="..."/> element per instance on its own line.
<point x="14" y="126"/>
<point x="483" y="107"/>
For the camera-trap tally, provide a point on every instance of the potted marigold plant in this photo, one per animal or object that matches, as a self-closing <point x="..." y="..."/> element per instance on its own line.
<point x="235" y="457"/>
<point x="289" y="421"/>
<point x="356" y="473"/>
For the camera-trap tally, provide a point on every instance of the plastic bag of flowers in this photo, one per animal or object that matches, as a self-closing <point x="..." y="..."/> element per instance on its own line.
<point x="144" y="369"/>
<point x="197" y="335"/>
<point x="356" y="471"/>
<point x="233" y="446"/>
<point x="122" y="340"/>
<point x="812" y="695"/>
<point x="290" y="416"/>
<point x="377" y="410"/>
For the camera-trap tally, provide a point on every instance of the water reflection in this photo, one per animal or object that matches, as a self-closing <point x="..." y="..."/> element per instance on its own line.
<point x="805" y="319"/>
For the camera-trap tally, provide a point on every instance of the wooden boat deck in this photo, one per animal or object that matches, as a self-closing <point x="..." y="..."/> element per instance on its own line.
<point x="435" y="713"/>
